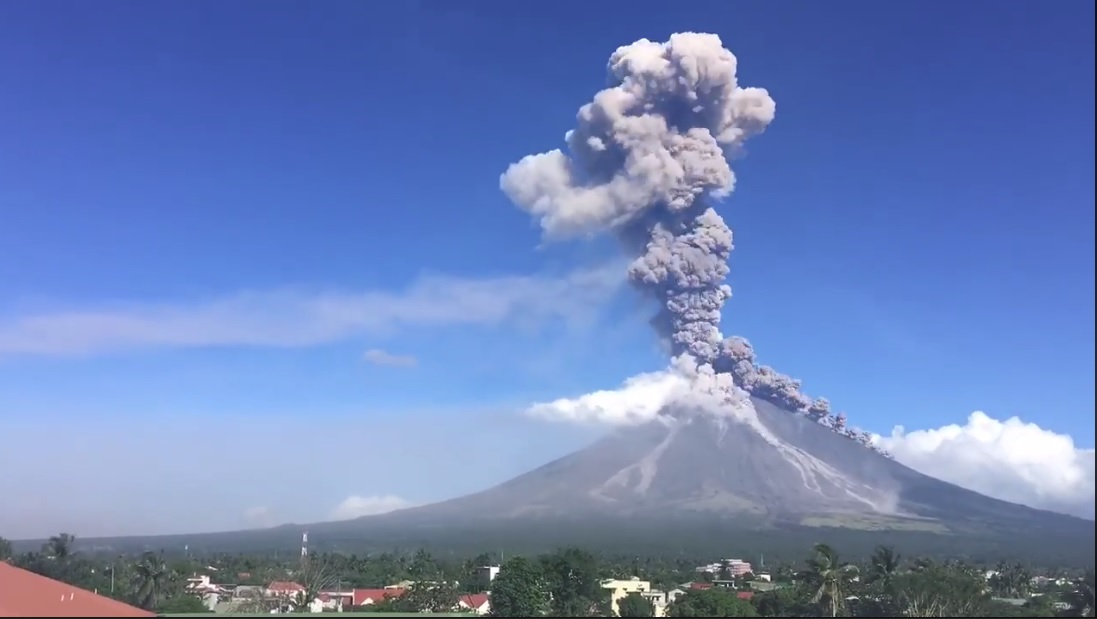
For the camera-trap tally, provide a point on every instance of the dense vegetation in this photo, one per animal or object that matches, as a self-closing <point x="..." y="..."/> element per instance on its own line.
<point x="567" y="583"/>
<point x="691" y="538"/>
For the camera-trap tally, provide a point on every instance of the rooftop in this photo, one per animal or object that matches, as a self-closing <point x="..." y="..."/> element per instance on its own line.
<point x="26" y="594"/>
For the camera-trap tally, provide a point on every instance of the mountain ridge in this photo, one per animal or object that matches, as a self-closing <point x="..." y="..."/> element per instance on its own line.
<point x="726" y="468"/>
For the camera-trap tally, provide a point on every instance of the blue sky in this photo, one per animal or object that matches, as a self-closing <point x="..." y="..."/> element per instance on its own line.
<point x="211" y="211"/>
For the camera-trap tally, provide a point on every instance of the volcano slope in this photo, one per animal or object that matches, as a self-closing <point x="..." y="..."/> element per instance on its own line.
<point x="771" y="470"/>
<point x="770" y="482"/>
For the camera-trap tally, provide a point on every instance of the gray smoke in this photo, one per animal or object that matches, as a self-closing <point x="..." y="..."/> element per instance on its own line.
<point x="646" y="160"/>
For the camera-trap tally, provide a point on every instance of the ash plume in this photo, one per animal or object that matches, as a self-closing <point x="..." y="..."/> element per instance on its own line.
<point x="646" y="160"/>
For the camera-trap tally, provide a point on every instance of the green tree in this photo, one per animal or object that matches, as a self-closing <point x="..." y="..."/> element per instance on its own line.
<point x="150" y="578"/>
<point x="426" y="597"/>
<point x="830" y="579"/>
<point x="181" y="604"/>
<point x="423" y="566"/>
<point x="937" y="590"/>
<point x="782" y="602"/>
<point x="1080" y="596"/>
<point x="711" y="603"/>
<point x="883" y="565"/>
<point x="1011" y="581"/>
<point x="59" y="546"/>
<point x="519" y="590"/>
<point x="6" y="551"/>
<point x="635" y="605"/>
<point x="574" y="581"/>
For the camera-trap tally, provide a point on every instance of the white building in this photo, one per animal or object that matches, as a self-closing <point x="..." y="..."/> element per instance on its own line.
<point x="486" y="574"/>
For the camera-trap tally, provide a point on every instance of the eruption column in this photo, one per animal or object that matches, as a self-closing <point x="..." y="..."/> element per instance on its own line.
<point x="645" y="159"/>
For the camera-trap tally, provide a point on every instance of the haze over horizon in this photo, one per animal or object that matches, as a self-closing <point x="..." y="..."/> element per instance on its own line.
<point x="244" y="285"/>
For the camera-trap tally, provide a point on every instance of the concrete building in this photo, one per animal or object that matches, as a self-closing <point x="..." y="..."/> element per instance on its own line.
<point x="660" y="600"/>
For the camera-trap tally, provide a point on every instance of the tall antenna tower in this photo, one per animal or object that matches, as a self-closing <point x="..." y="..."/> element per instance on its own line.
<point x="304" y="548"/>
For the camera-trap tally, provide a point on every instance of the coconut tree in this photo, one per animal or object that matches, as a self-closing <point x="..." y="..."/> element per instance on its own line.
<point x="883" y="565"/>
<point x="829" y="578"/>
<point x="150" y="579"/>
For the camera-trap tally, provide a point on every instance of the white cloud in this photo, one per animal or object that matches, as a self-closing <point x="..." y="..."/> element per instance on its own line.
<point x="376" y="356"/>
<point x="259" y="516"/>
<point x="638" y="400"/>
<point x="356" y="506"/>
<point x="290" y="318"/>
<point x="1011" y="460"/>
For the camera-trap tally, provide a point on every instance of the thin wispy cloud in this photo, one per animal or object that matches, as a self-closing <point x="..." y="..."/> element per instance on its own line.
<point x="356" y="506"/>
<point x="376" y="356"/>
<point x="294" y="318"/>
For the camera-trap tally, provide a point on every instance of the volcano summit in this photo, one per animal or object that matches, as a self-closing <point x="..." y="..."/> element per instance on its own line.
<point x="774" y="469"/>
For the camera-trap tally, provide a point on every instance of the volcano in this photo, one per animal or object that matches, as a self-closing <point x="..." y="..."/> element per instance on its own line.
<point x="768" y="481"/>
<point x="760" y="470"/>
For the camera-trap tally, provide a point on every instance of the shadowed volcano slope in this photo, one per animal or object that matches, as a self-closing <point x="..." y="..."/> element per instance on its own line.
<point x="772" y="468"/>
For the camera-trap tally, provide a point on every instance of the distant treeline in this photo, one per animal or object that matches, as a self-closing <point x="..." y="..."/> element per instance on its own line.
<point x="692" y="541"/>
<point x="568" y="582"/>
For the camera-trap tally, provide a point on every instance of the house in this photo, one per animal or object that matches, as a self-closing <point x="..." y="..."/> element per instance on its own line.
<point x="369" y="597"/>
<point x="336" y="600"/>
<point x="26" y="594"/>
<point x="210" y="594"/>
<point x="289" y="595"/>
<point x="479" y="603"/>
<point x="660" y="600"/>
<point x="485" y="574"/>
<point x="734" y="567"/>
<point x="283" y="589"/>
<point x="618" y="589"/>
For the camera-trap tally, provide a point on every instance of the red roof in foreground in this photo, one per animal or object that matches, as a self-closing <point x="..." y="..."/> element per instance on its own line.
<point x="26" y="594"/>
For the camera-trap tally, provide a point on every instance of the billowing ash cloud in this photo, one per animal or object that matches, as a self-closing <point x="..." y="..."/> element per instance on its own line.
<point x="646" y="160"/>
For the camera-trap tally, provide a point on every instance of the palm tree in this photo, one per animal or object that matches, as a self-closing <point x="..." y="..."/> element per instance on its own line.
<point x="150" y="576"/>
<point x="885" y="562"/>
<point x="59" y="546"/>
<point x="829" y="577"/>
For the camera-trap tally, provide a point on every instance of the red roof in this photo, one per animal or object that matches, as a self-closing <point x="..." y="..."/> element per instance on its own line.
<point x="362" y="597"/>
<point x="745" y="595"/>
<point x="700" y="586"/>
<point x="474" y="600"/>
<point x="26" y="594"/>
